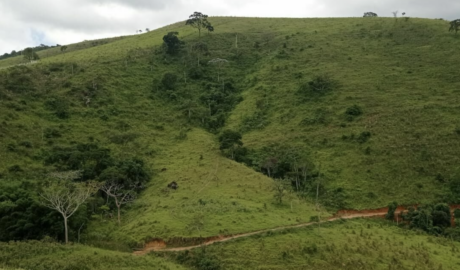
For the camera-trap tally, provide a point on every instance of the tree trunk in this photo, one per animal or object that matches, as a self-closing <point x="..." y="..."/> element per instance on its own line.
<point x="119" y="218"/>
<point x="66" y="229"/>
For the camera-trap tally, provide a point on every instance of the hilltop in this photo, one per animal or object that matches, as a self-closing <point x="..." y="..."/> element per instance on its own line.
<point x="353" y="112"/>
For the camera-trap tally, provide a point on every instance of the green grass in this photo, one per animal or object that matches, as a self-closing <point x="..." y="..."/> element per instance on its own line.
<point x="353" y="244"/>
<point x="215" y="196"/>
<point x="51" y="256"/>
<point x="401" y="73"/>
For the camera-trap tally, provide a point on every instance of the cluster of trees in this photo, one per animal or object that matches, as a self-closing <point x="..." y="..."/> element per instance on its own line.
<point x="88" y="180"/>
<point x="30" y="55"/>
<point x="34" y="49"/>
<point x="433" y="219"/>
<point x="215" y="97"/>
<point x="288" y="166"/>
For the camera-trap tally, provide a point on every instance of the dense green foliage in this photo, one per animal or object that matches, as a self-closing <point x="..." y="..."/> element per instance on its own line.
<point x="433" y="219"/>
<point x="172" y="43"/>
<point x="22" y="218"/>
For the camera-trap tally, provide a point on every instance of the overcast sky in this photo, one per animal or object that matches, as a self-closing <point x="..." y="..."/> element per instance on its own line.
<point x="25" y="23"/>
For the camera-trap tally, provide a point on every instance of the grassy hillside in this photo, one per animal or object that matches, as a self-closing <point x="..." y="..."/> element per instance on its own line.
<point x="357" y="244"/>
<point x="41" y="255"/>
<point x="400" y="141"/>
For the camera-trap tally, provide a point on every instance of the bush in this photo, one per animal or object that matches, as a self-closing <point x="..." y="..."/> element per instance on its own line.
<point x="15" y="168"/>
<point x="320" y="85"/>
<point x="59" y="106"/>
<point x="26" y="144"/>
<point x="354" y="110"/>
<point x="391" y="210"/>
<point x="51" y="133"/>
<point x="229" y="138"/>
<point x="363" y="137"/>
<point x="169" y="81"/>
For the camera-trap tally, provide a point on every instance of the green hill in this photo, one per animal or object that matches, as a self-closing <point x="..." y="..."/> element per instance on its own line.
<point x="353" y="112"/>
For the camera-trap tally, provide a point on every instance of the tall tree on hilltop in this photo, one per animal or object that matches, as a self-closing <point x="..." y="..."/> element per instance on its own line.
<point x="199" y="21"/>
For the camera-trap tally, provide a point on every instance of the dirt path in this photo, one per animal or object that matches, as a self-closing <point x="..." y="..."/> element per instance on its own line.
<point x="160" y="245"/>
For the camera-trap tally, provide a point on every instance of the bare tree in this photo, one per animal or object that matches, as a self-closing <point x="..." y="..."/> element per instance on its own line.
<point x="66" y="197"/>
<point x="395" y="14"/>
<point x="66" y="175"/>
<point x="121" y="196"/>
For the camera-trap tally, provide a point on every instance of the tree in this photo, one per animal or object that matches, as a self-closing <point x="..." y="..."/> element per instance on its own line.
<point x="30" y="55"/>
<point x="147" y="29"/>
<point x="441" y="215"/>
<point x="370" y="14"/>
<point x="172" y="42"/>
<point x="189" y="105"/>
<point x="391" y="210"/>
<point x="280" y="190"/>
<point x="220" y="63"/>
<point x="395" y="13"/>
<point x="230" y="141"/>
<point x="199" y="21"/>
<point x="454" y="26"/>
<point x="270" y="164"/>
<point x="66" y="197"/>
<point x="199" y="49"/>
<point x="63" y="48"/>
<point x="115" y="190"/>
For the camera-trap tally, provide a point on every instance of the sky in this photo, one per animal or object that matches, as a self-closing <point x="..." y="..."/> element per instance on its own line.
<point x="26" y="23"/>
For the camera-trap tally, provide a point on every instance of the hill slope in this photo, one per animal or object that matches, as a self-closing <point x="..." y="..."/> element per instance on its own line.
<point x="400" y="141"/>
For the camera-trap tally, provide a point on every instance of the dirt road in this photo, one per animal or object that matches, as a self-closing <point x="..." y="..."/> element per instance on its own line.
<point x="160" y="245"/>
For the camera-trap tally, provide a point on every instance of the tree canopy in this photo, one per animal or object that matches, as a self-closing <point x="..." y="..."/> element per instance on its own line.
<point x="370" y="14"/>
<point x="199" y="21"/>
<point x="172" y="42"/>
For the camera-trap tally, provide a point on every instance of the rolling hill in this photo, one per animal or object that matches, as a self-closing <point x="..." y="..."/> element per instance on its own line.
<point x="344" y="113"/>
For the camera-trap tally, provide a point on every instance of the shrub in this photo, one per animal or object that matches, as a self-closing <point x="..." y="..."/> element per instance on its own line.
<point x="59" y="106"/>
<point x="354" y="110"/>
<point x="320" y="85"/>
<point x="169" y="81"/>
<point x="51" y="133"/>
<point x="26" y="144"/>
<point x="363" y="137"/>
